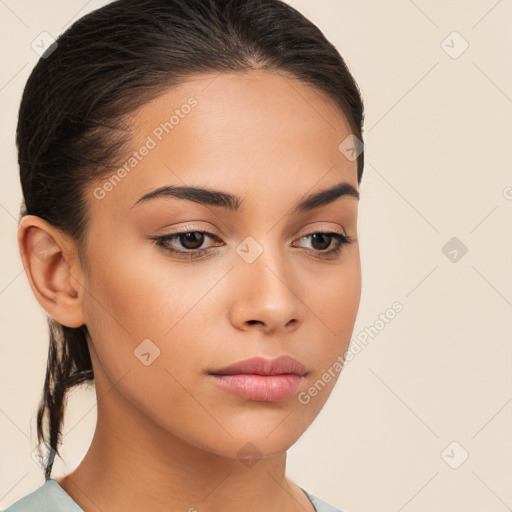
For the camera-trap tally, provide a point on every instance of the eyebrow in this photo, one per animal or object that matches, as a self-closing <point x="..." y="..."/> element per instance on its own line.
<point x="226" y="200"/>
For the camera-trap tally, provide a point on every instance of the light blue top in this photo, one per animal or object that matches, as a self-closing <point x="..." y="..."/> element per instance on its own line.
<point x="51" y="497"/>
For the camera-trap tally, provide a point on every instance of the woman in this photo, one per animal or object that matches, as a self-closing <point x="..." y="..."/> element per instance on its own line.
<point x="190" y="172"/>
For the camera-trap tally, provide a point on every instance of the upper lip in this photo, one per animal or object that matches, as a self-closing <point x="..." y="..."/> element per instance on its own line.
<point x="262" y="366"/>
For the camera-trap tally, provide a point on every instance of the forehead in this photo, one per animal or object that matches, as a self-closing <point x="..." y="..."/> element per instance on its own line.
<point x="235" y="131"/>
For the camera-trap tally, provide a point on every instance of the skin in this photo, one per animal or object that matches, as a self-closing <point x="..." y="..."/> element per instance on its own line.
<point x="167" y="437"/>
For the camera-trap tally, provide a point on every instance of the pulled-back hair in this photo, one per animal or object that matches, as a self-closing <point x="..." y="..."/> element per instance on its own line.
<point x="73" y="118"/>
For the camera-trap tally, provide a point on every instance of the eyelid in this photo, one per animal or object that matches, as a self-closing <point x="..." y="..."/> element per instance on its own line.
<point x="187" y="228"/>
<point x="325" y="229"/>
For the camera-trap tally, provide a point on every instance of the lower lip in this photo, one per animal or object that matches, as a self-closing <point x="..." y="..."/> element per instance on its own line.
<point x="262" y="388"/>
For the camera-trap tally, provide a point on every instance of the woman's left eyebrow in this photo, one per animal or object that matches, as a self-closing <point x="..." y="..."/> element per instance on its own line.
<point x="221" y="199"/>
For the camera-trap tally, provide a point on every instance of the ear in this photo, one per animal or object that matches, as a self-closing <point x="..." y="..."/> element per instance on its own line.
<point x="53" y="269"/>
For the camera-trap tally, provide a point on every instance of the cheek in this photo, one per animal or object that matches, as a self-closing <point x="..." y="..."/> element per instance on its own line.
<point x="336" y="298"/>
<point x="143" y="297"/>
<point x="340" y="304"/>
<point x="130" y="303"/>
<point x="140" y="294"/>
<point x="333" y="305"/>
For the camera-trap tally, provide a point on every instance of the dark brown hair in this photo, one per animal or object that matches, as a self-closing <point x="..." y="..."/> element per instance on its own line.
<point x="73" y="118"/>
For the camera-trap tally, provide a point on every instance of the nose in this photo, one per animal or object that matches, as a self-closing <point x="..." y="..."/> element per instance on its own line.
<point x="265" y="295"/>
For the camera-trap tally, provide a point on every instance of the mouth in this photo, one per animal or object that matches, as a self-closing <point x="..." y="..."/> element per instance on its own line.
<point x="261" y="379"/>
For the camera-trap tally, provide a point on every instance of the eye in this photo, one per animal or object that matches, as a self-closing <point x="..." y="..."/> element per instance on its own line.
<point x="190" y="241"/>
<point x="322" y="240"/>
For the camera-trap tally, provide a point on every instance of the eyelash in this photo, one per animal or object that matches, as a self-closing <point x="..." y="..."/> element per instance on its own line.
<point x="163" y="242"/>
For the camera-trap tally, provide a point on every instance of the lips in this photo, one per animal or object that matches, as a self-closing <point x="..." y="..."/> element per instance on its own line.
<point x="261" y="366"/>
<point x="260" y="379"/>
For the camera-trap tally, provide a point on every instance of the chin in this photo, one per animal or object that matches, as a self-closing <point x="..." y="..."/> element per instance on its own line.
<point x="256" y="437"/>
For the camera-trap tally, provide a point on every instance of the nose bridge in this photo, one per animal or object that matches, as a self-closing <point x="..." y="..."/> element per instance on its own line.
<point x="263" y="261"/>
<point x="268" y="273"/>
<point x="265" y="284"/>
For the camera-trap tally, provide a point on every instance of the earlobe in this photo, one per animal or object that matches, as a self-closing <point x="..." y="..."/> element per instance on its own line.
<point x="51" y="268"/>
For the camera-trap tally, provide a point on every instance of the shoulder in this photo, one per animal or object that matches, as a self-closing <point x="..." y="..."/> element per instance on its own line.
<point x="320" y="505"/>
<point x="49" y="497"/>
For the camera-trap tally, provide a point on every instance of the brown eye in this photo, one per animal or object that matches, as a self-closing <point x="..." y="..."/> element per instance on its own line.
<point x="191" y="240"/>
<point x="322" y="240"/>
<point x="189" y="244"/>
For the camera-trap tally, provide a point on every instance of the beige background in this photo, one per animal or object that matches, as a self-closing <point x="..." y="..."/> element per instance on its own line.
<point x="438" y="137"/>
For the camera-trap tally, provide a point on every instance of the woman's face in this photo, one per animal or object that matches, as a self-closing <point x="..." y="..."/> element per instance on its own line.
<point x="259" y="283"/>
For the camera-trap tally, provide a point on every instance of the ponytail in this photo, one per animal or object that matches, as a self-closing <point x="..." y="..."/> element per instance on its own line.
<point x="68" y="365"/>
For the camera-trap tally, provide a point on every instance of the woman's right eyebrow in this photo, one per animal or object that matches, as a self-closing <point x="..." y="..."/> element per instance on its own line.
<point x="227" y="200"/>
